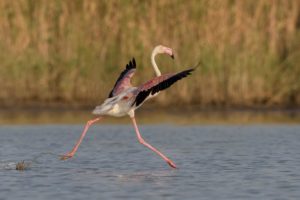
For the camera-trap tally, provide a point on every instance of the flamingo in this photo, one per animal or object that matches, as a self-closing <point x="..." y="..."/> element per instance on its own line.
<point x="124" y="99"/>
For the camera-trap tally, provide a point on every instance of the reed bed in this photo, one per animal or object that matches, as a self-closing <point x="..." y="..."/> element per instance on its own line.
<point x="70" y="52"/>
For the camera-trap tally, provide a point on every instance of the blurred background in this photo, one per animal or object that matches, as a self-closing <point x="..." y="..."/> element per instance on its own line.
<point x="232" y="127"/>
<point x="68" y="54"/>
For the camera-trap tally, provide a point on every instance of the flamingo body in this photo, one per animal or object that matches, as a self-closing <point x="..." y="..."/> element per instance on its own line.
<point x="117" y="106"/>
<point x="124" y="99"/>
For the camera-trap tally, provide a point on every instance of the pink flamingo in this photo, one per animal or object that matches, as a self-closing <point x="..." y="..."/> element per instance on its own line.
<point x="124" y="99"/>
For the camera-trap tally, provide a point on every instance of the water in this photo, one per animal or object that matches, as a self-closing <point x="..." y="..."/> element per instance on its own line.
<point x="215" y="162"/>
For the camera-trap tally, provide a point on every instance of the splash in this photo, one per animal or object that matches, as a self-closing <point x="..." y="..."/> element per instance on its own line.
<point x="24" y="164"/>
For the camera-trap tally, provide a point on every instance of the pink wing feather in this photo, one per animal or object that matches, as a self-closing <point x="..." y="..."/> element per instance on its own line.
<point x="157" y="84"/>
<point x="123" y="81"/>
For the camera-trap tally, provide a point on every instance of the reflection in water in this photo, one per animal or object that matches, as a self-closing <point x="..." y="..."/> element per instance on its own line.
<point x="147" y="176"/>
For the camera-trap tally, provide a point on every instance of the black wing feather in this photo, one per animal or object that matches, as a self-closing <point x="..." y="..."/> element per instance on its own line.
<point x="161" y="86"/>
<point x="129" y="66"/>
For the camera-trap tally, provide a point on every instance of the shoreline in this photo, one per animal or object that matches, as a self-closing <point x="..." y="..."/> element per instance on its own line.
<point x="150" y="114"/>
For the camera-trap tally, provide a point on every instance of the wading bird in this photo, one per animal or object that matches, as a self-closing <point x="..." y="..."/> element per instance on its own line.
<point x="124" y="99"/>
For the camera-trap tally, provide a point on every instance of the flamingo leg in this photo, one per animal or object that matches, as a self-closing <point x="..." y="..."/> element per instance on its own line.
<point x="71" y="153"/>
<point x="142" y="141"/>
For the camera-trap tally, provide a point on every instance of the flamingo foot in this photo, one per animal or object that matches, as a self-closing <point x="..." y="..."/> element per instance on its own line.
<point x="170" y="162"/>
<point x="66" y="156"/>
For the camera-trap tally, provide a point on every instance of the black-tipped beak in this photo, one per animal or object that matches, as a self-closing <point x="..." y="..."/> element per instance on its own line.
<point x="172" y="56"/>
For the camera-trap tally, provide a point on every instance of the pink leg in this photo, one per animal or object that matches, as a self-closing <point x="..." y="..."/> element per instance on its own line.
<point x="71" y="153"/>
<point x="142" y="141"/>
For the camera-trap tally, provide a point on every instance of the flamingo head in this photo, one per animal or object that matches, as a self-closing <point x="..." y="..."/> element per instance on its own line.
<point x="160" y="49"/>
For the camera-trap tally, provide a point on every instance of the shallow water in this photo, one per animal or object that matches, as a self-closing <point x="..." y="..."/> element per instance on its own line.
<point x="214" y="162"/>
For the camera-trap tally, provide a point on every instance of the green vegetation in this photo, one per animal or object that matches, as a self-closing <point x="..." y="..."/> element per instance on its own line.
<point x="72" y="51"/>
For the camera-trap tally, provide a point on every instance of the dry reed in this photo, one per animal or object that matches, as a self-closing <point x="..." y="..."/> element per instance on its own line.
<point x="72" y="51"/>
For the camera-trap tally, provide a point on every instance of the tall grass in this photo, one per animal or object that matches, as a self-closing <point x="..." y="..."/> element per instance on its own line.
<point x="72" y="51"/>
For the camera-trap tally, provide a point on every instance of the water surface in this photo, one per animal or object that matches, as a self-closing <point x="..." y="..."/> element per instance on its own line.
<point x="214" y="162"/>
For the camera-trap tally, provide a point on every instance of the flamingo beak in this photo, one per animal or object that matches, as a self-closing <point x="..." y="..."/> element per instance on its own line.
<point x="169" y="51"/>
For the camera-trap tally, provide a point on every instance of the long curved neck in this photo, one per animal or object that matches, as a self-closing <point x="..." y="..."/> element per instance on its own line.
<point x="154" y="65"/>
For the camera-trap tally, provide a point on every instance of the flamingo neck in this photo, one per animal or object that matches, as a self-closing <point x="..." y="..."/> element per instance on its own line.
<point x="154" y="65"/>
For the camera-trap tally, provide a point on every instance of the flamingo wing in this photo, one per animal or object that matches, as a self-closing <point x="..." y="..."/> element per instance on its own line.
<point x="157" y="84"/>
<point x="124" y="79"/>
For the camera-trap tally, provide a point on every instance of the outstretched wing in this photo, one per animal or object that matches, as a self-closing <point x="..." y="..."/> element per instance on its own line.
<point x="157" y="84"/>
<point x="124" y="79"/>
